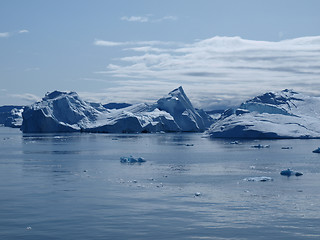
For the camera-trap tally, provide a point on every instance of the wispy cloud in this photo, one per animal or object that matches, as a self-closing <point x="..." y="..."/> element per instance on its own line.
<point x="166" y="18"/>
<point x="223" y="70"/>
<point x="148" y="18"/>
<point x="135" y="19"/>
<point x="9" y="34"/>
<point x="4" y="34"/>
<point x="23" y="31"/>
<point x="99" y="42"/>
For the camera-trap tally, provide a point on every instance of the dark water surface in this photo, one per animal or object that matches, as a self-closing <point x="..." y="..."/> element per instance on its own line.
<point x="73" y="186"/>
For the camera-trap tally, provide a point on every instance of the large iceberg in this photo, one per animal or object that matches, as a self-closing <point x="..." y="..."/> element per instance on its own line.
<point x="59" y="112"/>
<point x="285" y="114"/>
<point x="67" y="112"/>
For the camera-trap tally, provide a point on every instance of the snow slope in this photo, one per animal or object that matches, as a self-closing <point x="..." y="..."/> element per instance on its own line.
<point x="285" y="114"/>
<point x="66" y="112"/>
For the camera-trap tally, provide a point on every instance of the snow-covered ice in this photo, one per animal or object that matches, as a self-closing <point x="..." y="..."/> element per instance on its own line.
<point x="258" y="179"/>
<point x="67" y="112"/>
<point x="285" y="114"/>
<point x="132" y="159"/>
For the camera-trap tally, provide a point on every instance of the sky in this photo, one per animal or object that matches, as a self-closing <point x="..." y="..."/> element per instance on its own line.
<point x="221" y="52"/>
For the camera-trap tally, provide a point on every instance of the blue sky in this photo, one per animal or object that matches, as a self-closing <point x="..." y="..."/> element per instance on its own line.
<point x="221" y="52"/>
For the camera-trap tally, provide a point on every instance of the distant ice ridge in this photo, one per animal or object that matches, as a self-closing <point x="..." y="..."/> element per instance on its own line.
<point x="285" y="114"/>
<point x="67" y="112"/>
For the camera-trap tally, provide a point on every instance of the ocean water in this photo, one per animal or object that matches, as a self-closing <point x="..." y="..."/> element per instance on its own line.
<point x="73" y="186"/>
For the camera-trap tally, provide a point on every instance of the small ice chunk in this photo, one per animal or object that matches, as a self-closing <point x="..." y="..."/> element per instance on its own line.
<point x="258" y="179"/>
<point x="28" y="228"/>
<point x="234" y="142"/>
<point x="316" y="150"/>
<point x="289" y="172"/>
<point x="286" y="148"/>
<point x="189" y="144"/>
<point x="260" y="146"/>
<point x="197" y="194"/>
<point x="132" y="159"/>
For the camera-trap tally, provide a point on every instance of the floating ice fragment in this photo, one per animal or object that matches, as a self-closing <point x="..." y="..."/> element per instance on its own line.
<point x="258" y="179"/>
<point x="260" y="146"/>
<point x="160" y="185"/>
<point x="197" y="194"/>
<point x="28" y="228"/>
<point x="234" y="142"/>
<point x="286" y="148"/>
<point x="189" y="144"/>
<point x="289" y="172"/>
<point x="316" y="150"/>
<point x="132" y="159"/>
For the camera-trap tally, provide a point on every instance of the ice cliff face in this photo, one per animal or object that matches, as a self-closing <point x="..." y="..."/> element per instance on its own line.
<point x="66" y="112"/>
<point x="285" y="114"/>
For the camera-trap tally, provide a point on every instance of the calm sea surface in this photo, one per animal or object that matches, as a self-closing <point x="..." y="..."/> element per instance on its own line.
<point x="73" y="186"/>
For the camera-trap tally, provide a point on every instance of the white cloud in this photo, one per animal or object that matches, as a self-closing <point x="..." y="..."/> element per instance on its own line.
<point x="98" y="42"/>
<point x="9" y="34"/>
<point x="148" y="18"/>
<point x="23" y="31"/>
<point x="166" y="18"/>
<point x="4" y="34"/>
<point x="222" y="70"/>
<point x="135" y="19"/>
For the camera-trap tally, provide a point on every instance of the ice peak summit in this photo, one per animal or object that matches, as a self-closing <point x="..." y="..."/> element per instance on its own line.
<point x="276" y="98"/>
<point x="176" y="100"/>
<point x="58" y="94"/>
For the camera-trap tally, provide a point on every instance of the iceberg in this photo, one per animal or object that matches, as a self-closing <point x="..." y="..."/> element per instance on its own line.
<point x="284" y="114"/>
<point x="59" y="112"/>
<point x="67" y="112"/>
<point x="11" y="116"/>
